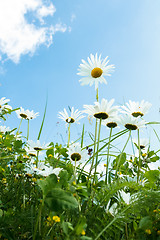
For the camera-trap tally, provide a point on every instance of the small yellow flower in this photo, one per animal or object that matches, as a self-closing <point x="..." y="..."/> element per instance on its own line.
<point x="144" y="154"/>
<point x="49" y="219"/>
<point x="25" y="156"/>
<point x="83" y="232"/>
<point x="148" y="231"/>
<point x="50" y="155"/>
<point x="4" y="180"/>
<point x="56" y="219"/>
<point x="74" y="183"/>
<point x="29" y="175"/>
<point x="105" y="165"/>
<point x="155" y="210"/>
<point x="9" y="148"/>
<point x="34" y="179"/>
<point x="1" y="136"/>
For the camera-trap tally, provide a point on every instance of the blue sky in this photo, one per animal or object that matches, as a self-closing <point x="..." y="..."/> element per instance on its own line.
<point x="126" y="31"/>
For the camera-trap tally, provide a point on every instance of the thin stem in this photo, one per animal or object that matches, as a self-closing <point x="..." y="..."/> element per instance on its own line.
<point x="99" y="131"/>
<point x="122" y="152"/>
<point x="110" y="134"/>
<point x="28" y="130"/>
<point x="19" y="126"/>
<point x="138" y="171"/>
<point x="97" y="97"/>
<point x="69" y="134"/>
<point x="95" y="139"/>
<point x="37" y="159"/>
<point x="75" y="170"/>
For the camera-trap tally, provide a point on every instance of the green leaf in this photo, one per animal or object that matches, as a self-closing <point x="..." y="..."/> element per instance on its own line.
<point x="145" y="223"/>
<point x="80" y="225"/>
<point x="47" y="184"/>
<point x="57" y="200"/>
<point x="152" y="175"/>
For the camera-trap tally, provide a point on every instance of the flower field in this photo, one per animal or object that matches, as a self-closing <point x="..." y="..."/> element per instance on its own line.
<point x="92" y="187"/>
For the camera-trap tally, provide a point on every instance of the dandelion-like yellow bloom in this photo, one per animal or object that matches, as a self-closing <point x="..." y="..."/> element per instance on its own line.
<point x="56" y="219"/>
<point x="148" y="231"/>
<point x="83" y="232"/>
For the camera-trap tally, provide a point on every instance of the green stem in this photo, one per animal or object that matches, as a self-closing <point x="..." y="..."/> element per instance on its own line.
<point x="28" y="130"/>
<point x="122" y="152"/>
<point x="95" y="139"/>
<point x="19" y="126"/>
<point x="99" y="131"/>
<point x="97" y="98"/>
<point x="75" y="170"/>
<point x="69" y="134"/>
<point x="38" y="220"/>
<point x="106" y="179"/>
<point x="138" y="171"/>
<point x="37" y="159"/>
<point x="114" y="219"/>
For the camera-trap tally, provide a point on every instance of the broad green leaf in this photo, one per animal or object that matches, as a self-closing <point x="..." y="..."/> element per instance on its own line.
<point x="57" y="200"/>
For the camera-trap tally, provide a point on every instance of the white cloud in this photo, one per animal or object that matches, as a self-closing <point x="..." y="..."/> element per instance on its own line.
<point x="18" y="36"/>
<point x="73" y="17"/>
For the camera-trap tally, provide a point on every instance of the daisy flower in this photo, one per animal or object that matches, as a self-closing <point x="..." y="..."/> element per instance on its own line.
<point x="132" y="123"/>
<point x="75" y="116"/>
<point x="136" y="109"/>
<point x="4" y="104"/>
<point x="112" y="122"/>
<point x="144" y="142"/>
<point x="4" y="129"/>
<point x="75" y="153"/>
<point x="101" y="110"/>
<point x="46" y="170"/>
<point x="26" y="114"/>
<point x="37" y="145"/>
<point x="94" y="70"/>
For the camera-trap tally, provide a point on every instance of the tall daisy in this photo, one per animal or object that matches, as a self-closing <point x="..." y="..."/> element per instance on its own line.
<point x="4" y="104"/>
<point x="136" y="109"/>
<point x="74" y="116"/>
<point x="37" y="146"/>
<point x="132" y="123"/>
<point x="94" y="71"/>
<point x="26" y="114"/>
<point x="101" y="110"/>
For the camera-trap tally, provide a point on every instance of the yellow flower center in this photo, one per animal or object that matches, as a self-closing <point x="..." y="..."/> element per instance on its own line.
<point x="70" y="120"/>
<point x="101" y="115"/>
<point x="137" y="114"/>
<point x="23" y="115"/>
<point x="131" y="126"/>
<point x="75" y="156"/>
<point x="111" y="124"/>
<point x="96" y="72"/>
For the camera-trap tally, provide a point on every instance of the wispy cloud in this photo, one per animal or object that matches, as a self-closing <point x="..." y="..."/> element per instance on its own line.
<point x="73" y="17"/>
<point x="18" y="34"/>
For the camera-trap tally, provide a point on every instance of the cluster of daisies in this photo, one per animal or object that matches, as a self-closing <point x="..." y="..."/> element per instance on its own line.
<point x="111" y="116"/>
<point x="92" y="72"/>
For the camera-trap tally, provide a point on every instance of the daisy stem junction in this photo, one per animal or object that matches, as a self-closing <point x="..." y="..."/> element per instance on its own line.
<point x="110" y="134"/>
